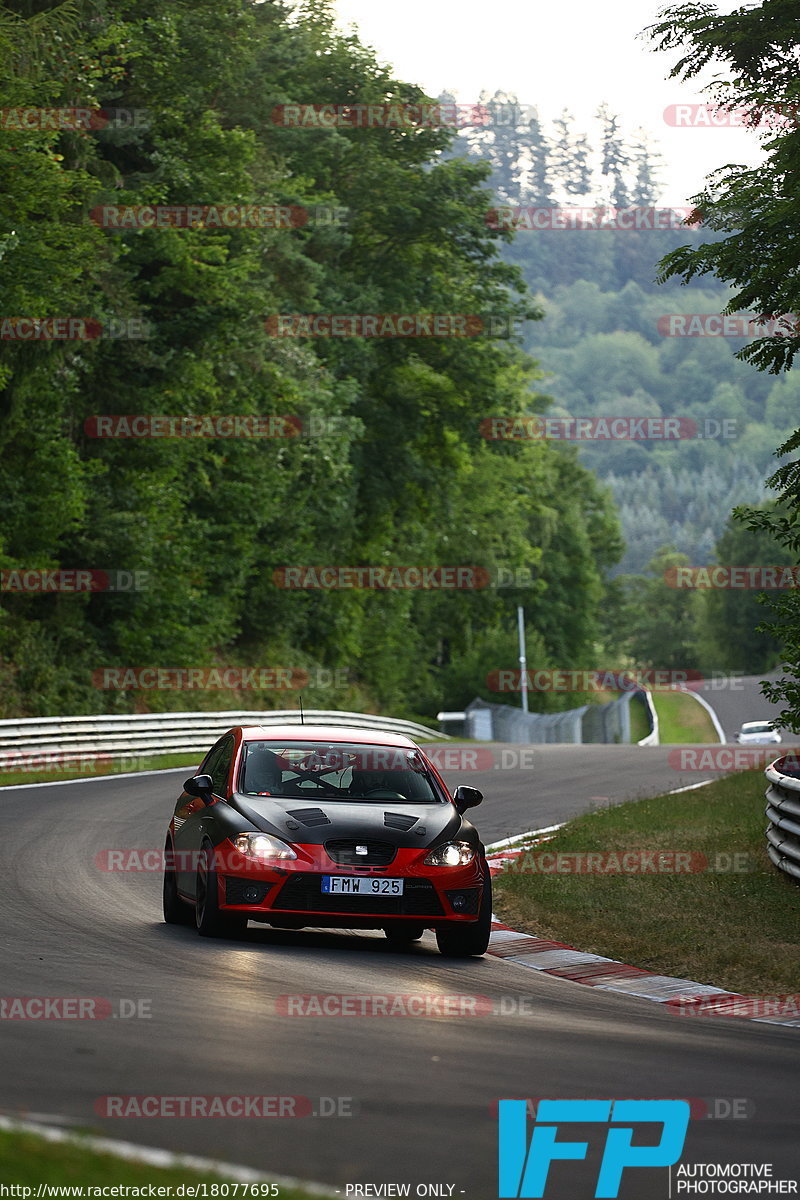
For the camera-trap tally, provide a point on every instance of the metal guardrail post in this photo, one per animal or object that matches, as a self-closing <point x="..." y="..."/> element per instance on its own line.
<point x="153" y="734"/>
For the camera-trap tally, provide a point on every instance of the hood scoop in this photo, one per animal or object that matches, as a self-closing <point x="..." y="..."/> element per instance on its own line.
<point x="309" y="816"/>
<point x="402" y="821"/>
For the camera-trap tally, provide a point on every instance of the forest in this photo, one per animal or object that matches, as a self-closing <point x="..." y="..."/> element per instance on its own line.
<point x="603" y="343"/>
<point x="199" y="391"/>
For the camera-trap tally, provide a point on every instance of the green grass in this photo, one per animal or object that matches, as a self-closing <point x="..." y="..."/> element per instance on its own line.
<point x="155" y="762"/>
<point x="639" y="724"/>
<point x="740" y="931"/>
<point x="28" y="1160"/>
<point x="681" y="718"/>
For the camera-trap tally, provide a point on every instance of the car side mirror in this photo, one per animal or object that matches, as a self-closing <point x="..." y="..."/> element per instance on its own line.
<point x="466" y="797"/>
<point x="199" y="785"/>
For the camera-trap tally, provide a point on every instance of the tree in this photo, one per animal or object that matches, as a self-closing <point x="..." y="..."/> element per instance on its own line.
<point x="398" y="475"/>
<point x="645" y="164"/>
<point x="615" y="158"/>
<point x="570" y="157"/>
<point x="757" y="209"/>
<point x="660" y="618"/>
<point x="730" y="636"/>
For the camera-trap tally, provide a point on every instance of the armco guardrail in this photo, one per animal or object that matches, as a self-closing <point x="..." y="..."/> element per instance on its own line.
<point x="597" y="723"/>
<point x="166" y="733"/>
<point x="783" y="810"/>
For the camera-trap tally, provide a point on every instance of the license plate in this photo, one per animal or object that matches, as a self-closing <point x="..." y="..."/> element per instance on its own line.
<point x="361" y="885"/>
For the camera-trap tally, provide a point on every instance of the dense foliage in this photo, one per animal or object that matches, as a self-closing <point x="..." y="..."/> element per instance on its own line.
<point x="390" y="467"/>
<point x="754" y="212"/>
<point x="603" y="343"/>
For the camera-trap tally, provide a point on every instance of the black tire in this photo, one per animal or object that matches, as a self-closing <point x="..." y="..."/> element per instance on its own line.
<point x="176" y="911"/>
<point x="400" y="935"/>
<point x="470" y="941"/>
<point x="209" y="920"/>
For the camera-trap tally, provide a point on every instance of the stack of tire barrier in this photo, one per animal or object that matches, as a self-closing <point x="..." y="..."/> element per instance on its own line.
<point x="783" y="810"/>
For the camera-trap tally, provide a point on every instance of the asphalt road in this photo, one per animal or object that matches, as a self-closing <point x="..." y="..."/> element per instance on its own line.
<point x="737" y="699"/>
<point x="528" y="787"/>
<point x="422" y="1088"/>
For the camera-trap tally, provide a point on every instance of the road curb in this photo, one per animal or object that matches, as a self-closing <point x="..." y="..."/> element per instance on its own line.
<point x="684" y="997"/>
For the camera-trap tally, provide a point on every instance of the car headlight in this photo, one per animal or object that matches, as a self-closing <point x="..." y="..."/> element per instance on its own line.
<point x="452" y="854"/>
<point x="263" y="845"/>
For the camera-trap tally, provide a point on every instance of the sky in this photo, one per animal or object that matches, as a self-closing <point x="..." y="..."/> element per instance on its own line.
<point x="574" y="54"/>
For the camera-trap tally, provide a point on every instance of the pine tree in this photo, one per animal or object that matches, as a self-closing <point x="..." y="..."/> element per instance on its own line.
<point x="646" y="164"/>
<point x="581" y="180"/>
<point x="614" y="157"/>
<point x="538" y="184"/>
<point x="570" y="157"/>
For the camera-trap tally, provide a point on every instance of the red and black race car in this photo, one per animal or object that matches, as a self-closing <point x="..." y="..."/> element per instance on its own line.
<point x="297" y="825"/>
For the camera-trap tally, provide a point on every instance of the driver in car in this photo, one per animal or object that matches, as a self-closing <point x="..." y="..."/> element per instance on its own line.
<point x="262" y="773"/>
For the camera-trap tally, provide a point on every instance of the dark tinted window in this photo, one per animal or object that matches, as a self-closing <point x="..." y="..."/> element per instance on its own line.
<point x="218" y="764"/>
<point x="338" y="771"/>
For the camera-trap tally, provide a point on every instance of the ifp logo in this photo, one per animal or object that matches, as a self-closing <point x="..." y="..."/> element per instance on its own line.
<point x="523" y="1169"/>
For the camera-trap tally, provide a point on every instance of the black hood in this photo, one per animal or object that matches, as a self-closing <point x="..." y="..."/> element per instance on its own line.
<point x="408" y="826"/>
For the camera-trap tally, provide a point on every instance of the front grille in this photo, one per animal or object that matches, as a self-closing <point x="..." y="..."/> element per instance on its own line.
<point x="303" y="892"/>
<point x="402" y="821"/>
<point x="309" y="816"/>
<point x="242" y="891"/>
<point x="343" y="852"/>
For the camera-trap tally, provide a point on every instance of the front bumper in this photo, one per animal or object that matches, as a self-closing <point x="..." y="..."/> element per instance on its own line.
<point x="290" y="893"/>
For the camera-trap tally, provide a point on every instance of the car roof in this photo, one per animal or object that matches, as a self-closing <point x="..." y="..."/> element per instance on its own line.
<point x="325" y="733"/>
<point x="749" y="724"/>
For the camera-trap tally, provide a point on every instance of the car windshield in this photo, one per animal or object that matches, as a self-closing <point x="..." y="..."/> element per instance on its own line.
<point x="757" y="727"/>
<point x="337" y="771"/>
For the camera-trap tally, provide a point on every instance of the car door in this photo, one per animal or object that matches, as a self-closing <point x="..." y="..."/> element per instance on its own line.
<point x="192" y="812"/>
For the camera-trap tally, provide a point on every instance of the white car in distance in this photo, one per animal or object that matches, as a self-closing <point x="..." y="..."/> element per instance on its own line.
<point x="758" y="733"/>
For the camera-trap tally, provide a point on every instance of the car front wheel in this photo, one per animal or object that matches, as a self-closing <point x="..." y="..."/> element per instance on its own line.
<point x="176" y="911"/>
<point x="208" y="918"/>
<point x="469" y="941"/>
